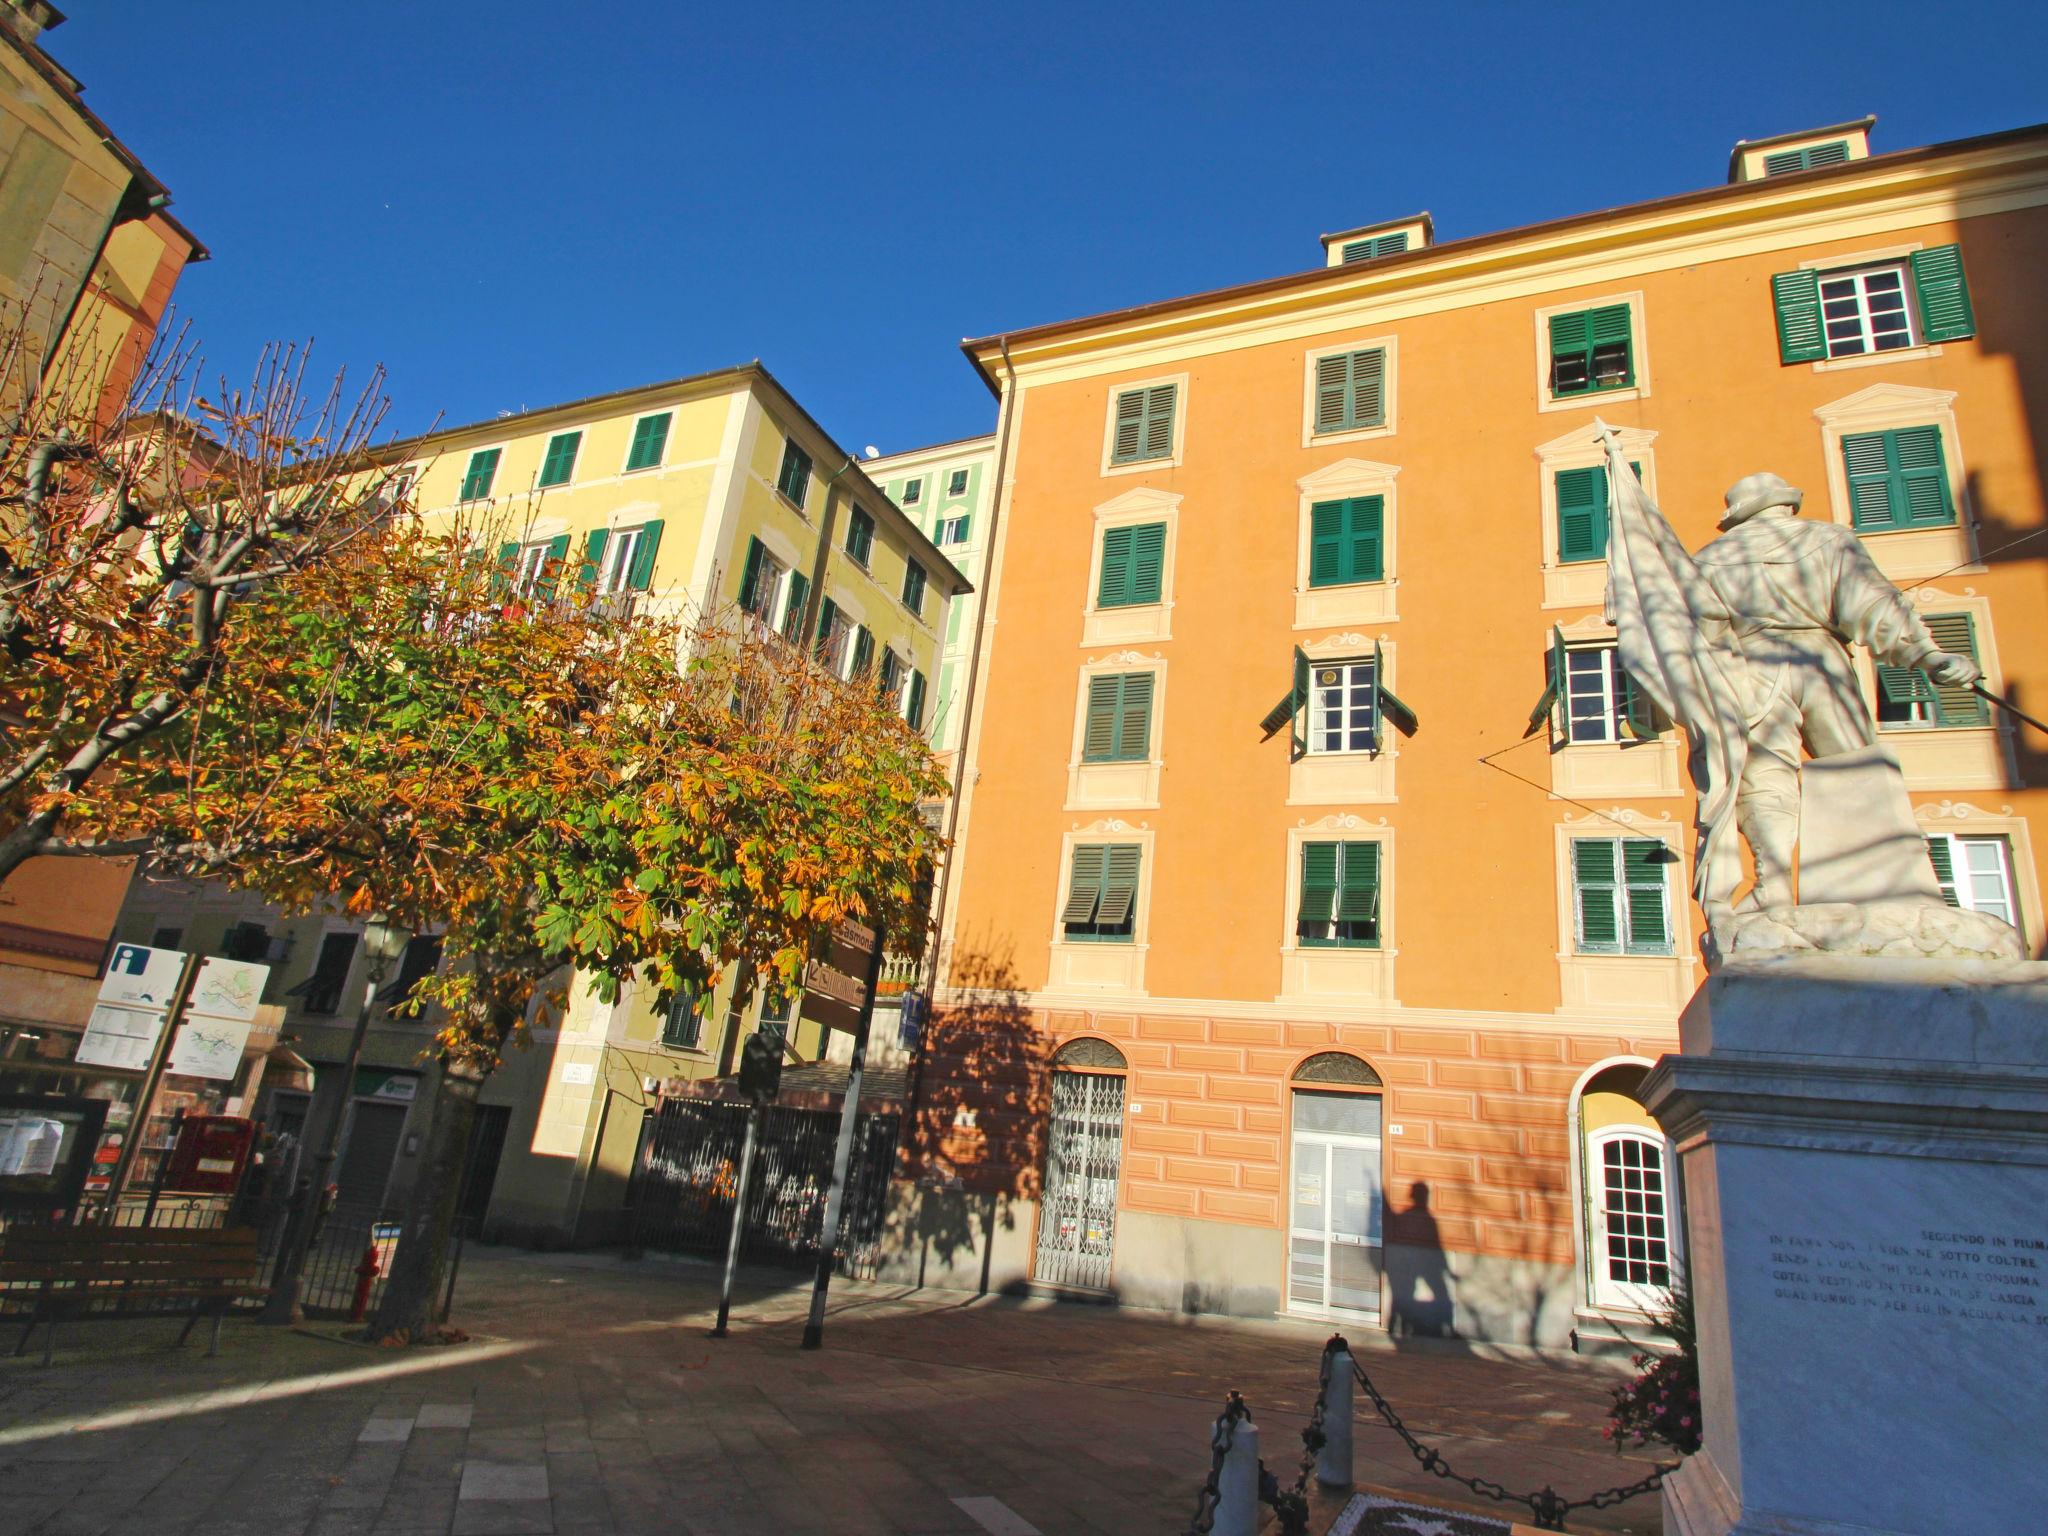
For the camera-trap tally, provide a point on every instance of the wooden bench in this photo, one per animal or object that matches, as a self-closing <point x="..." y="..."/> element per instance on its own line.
<point x="95" y="1272"/>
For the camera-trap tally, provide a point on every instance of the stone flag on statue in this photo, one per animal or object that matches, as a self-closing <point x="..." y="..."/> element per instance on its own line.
<point x="1676" y="636"/>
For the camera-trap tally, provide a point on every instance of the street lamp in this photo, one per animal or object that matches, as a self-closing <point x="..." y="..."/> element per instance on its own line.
<point x="383" y="942"/>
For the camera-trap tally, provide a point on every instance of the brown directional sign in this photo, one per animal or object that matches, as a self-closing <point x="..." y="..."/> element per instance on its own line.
<point x="834" y="983"/>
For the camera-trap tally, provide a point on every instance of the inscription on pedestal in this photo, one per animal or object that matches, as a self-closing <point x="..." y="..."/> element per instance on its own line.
<point x="1978" y="1277"/>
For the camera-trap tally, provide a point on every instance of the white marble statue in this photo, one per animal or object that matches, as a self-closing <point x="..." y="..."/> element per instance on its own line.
<point x="1746" y="646"/>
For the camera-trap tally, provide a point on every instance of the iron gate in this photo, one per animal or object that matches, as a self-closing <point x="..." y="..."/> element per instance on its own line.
<point x="1077" y="1220"/>
<point x="683" y="1195"/>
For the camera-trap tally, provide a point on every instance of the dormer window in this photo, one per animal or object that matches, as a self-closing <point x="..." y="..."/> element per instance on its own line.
<point x="1784" y="162"/>
<point x="1374" y="242"/>
<point x="1787" y="154"/>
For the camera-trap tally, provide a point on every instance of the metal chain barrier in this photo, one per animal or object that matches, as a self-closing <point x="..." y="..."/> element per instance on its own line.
<point x="1547" y="1507"/>
<point x="1220" y="1440"/>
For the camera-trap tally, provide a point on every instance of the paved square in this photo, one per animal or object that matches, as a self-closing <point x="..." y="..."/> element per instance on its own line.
<point x="591" y="1401"/>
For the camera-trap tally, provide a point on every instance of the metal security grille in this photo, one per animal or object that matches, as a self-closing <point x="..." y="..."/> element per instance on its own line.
<point x="1077" y="1222"/>
<point x="1638" y="1247"/>
<point x="683" y="1193"/>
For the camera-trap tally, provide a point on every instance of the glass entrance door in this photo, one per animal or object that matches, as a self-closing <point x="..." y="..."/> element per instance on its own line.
<point x="1077" y="1220"/>
<point x="1334" y="1253"/>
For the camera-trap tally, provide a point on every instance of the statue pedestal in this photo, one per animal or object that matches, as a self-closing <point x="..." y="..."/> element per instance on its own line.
<point x="1864" y="1154"/>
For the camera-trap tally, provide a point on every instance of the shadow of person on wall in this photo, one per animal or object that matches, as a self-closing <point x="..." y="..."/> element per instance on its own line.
<point x="1420" y="1278"/>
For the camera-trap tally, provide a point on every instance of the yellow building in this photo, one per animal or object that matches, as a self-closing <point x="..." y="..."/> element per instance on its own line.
<point x="88" y="254"/>
<point x="1285" y="973"/>
<point x="704" y="491"/>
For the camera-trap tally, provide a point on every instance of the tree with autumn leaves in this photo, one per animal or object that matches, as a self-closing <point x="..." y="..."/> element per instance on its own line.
<point x="555" y="790"/>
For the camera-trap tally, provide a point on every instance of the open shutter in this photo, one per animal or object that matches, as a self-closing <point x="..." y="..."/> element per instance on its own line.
<point x="1098" y="735"/>
<point x="641" y="577"/>
<point x="1955" y="703"/>
<point x="1358" y="899"/>
<point x="1385" y="705"/>
<point x="1609" y="327"/>
<point x="1159" y="404"/>
<point x="1553" y="688"/>
<point x="1920" y="498"/>
<point x="863" y="650"/>
<point x="751" y="578"/>
<point x="1120" y="884"/>
<point x="1114" y="588"/>
<point x="913" y="710"/>
<point x="1300" y="709"/>
<point x="1134" y="718"/>
<point x="1905" y="686"/>
<point x="1638" y="714"/>
<point x="1582" y="513"/>
<point x="593" y="557"/>
<point x="827" y="612"/>
<point x="1796" y="297"/>
<point x="1945" y="313"/>
<point x="1941" y="854"/>
<point x="1084" y="885"/>
<point x="1130" y="426"/>
<point x="1148" y="562"/>
<point x="793" y="614"/>
<point x="1570" y="335"/>
<point x="1333" y="391"/>
<point x="1643" y="861"/>
<point x="554" y="564"/>
<point x="1326" y="544"/>
<point x="1318" y="882"/>
<point x="1867" y="462"/>
<point x="1593" y="878"/>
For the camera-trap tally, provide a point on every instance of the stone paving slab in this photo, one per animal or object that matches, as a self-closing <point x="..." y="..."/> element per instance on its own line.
<point x="591" y="1403"/>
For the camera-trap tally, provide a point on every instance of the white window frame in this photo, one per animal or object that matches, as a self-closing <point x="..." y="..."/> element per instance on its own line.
<point x="1317" y="709"/>
<point x="839" y="641"/>
<point x="532" y="562"/>
<point x="1592" y="399"/>
<point x="1644" y="1296"/>
<point x="770" y="612"/>
<point x="953" y="530"/>
<point x="1892" y="255"/>
<point x="615" y="565"/>
<point x="1613" y="695"/>
<point x="1866" y="337"/>
<point x="1965" y="868"/>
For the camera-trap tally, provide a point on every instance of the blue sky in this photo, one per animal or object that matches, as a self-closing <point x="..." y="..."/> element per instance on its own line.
<point x="516" y="204"/>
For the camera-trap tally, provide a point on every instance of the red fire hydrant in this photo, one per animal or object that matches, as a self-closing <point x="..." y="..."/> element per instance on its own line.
<point x="366" y="1276"/>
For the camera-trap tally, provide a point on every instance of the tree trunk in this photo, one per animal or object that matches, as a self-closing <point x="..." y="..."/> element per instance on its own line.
<point x="412" y="1296"/>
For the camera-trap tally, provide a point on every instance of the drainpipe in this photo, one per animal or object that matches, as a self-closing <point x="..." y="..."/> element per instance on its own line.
<point x="967" y="701"/>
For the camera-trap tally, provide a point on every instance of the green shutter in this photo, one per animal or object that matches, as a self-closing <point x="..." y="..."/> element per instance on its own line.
<point x="863" y="650"/>
<point x="1351" y="390"/>
<point x="1144" y="424"/>
<point x="1553" y="685"/>
<point x="1113" y="589"/>
<point x="1359" y="888"/>
<point x="1098" y="735"/>
<point x="1346" y="541"/>
<point x="508" y="568"/>
<point x="1897" y="479"/>
<point x="793" y="615"/>
<point x="1159" y="405"/>
<point x="641" y="576"/>
<point x="752" y="575"/>
<point x="1643" y="861"/>
<point x="1582" y="514"/>
<point x="827" y="612"/>
<point x="1134" y="718"/>
<point x="1318" y="882"/>
<point x="1639" y="714"/>
<point x="1299" y="740"/>
<point x="1148" y="562"/>
<point x="913" y="588"/>
<point x="1580" y="335"/>
<point x="1326" y="544"/>
<point x="1118" y="721"/>
<point x="650" y="438"/>
<point x="1385" y="705"/>
<point x="1941" y="854"/>
<point x="1593" y="879"/>
<point x="1333" y="392"/>
<point x="1796" y="297"/>
<point x="1571" y="334"/>
<point x="560" y="462"/>
<point x="1867" y="462"/>
<point x="1945" y="312"/>
<point x="1084" y="884"/>
<point x="1956" y="704"/>
<point x="593" y="557"/>
<point x="1119" y="884"/>
<point x="553" y="565"/>
<point x="483" y="469"/>
<point x="1368" y="546"/>
<point x="860" y="535"/>
<point x="913" y="709"/>
<point x="1130" y="427"/>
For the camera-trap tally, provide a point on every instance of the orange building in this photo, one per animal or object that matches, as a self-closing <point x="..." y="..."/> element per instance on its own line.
<point x="1283" y="971"/>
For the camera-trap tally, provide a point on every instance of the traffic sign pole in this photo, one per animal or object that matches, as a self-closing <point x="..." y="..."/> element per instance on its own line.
<point x="739" y="1218"/>
<point x="842" y="1157"/>
<point x="151" y="1079"/>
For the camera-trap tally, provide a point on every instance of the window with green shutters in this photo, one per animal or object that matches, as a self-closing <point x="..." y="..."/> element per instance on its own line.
<point x="1347" y="542"/>
<point x="621" y="559"/>
<point x="1885" y="307"/>
<point x="1908" y="699"/>
<point x="1623" y="895"/>
<point x="682" y="1027"/>
<point x="1590" y="350"/>
<point x="1582" y="520"/>
<point x="1784" y="162"/>
<point x="1897" y="479"/>
<point x="1340" y="896"/>
<point x="913" y="492"/>
<point x="913" y="588"/>
<point x="793" y="610"/>
<point x="483" y="469"/>
<point x="1375" y="247"/>
<point x="1102" y="894"/>
<point x="863" y="650"/>
<point x="1975" y="872"/>
<point x="860" y="535"/>
<point x="1144" y="424"/>
<point x="1351" y="390"/>
<point x="560" y="462"/>
<point x="1118" y="724"/>
<point x="650" y="441"/>
<point x="1133" y="562"/>
<point x="794" y="481"/>
<point x="913" y="701"/>
<point x="956" y="483"/>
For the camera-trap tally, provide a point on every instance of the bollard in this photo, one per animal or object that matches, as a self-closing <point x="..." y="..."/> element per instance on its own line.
<point x="366" y="1276"/>
<point x="1237" y="1485"/>
<point x="1333" y="1462"/>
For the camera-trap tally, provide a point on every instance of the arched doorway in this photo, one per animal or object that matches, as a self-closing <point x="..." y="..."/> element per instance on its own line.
<point x="1084" y="1154"/>
<point x="1336" y="1200"/>
<point x="1629" y="1196"/>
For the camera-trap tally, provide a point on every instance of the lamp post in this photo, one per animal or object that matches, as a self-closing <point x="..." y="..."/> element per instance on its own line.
<point x="383" y="942"/>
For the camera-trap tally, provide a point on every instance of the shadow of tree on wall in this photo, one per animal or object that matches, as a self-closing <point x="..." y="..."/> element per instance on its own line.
<point x="975" y="1141"/>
